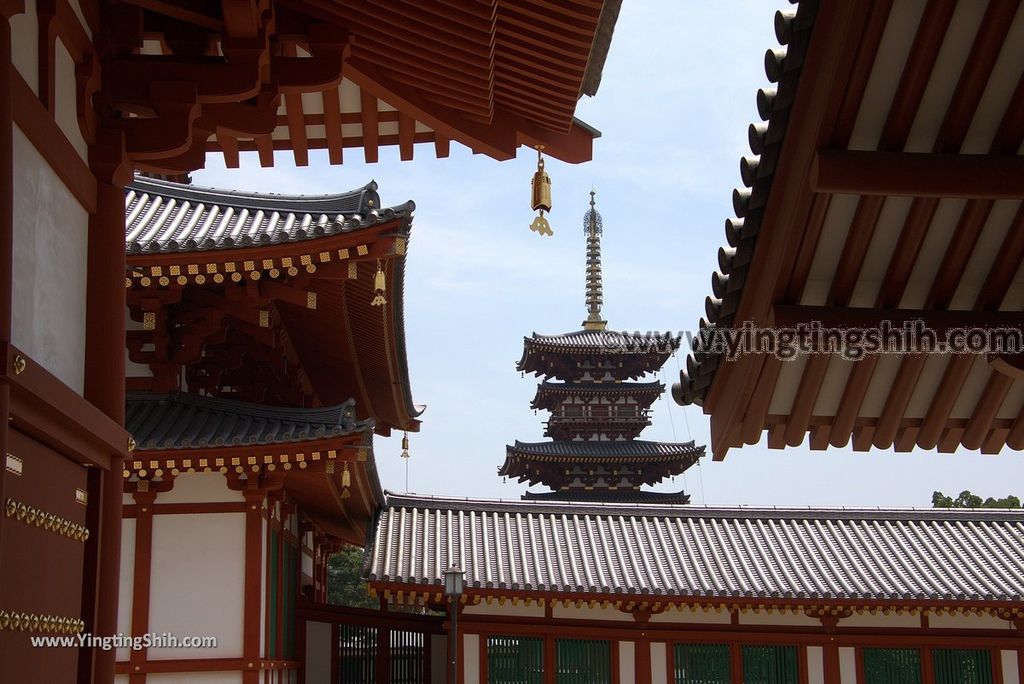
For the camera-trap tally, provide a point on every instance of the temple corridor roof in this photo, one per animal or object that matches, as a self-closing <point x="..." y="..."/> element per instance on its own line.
<point x="686" y="552"/>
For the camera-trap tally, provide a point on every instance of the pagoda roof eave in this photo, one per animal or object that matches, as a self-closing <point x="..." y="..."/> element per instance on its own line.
<point x="167" y="222"/>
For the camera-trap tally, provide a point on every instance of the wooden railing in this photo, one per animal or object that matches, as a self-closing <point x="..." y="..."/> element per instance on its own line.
<point x="342" y="645"/>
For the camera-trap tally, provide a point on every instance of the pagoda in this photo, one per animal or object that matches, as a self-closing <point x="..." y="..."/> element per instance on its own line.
<point x="599" y="405"/>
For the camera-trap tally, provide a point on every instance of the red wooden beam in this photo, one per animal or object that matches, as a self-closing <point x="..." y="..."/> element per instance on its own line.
<point x="909" y="174"/>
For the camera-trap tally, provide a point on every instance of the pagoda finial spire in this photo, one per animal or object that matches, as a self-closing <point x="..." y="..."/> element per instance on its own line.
<point x="593" y="227"/>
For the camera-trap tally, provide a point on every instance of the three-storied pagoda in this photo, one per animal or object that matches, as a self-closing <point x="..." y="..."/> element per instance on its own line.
<point x="597" y="408"/>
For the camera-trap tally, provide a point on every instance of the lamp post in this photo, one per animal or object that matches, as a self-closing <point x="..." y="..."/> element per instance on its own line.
<point x="454" y="578"/>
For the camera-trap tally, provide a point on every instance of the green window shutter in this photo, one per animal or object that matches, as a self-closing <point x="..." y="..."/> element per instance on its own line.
<point x="702" y="664"/>
<point x="515" y="660"/>
<point x="357" y="654"/>
<point x="272" y="606"/>
<point x="892" y="666"/>
<point x="770" y="665"/>
<point x="583" y="661"/>
<point x="962" y="666"/>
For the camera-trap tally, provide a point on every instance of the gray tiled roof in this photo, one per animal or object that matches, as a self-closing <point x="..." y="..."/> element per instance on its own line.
<point x="855" y="554"/>
<point x="596" y="450"/>
<point x="162" y="217"/>
<point x="611" y="341"/>
<point x="182" y="421"/>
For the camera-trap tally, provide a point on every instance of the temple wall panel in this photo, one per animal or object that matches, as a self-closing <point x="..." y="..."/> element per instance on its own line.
<point x="693" y="615"/>
<point x="970" y="621"/>
<point x="471" y="658"/>
<point x="659" y="663"/>
<point x="627" y="662"/>
<point x="438" y="658"/>
<point x="66" y="105"/>
<point x="50" y="249"/>
<point x="559" y="612"/>
<point x="195" y="678"/>
<point x="775" y="618"/>
<point x="507" y="610"/>
<point x="200" y="488"/>
<point x="25" y="45"/>
<point x="198" y="561"/>
<point x="848" y="665"/>
<point x="318" y="652"/>
<point x="1011" y="667"/>
<point x="879" y="620"/>
<point x="124" y="598"/>
<point x="815" y="665"/>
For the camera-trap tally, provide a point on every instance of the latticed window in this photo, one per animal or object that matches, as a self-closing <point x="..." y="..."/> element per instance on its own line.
<point x="515" y="660"/>
<point x="892" y="666"/>
<point x="962" y="666"/>
<point x="702" y="664"/>
<point x="583" y="661"/>
<point x="770" y="665"/>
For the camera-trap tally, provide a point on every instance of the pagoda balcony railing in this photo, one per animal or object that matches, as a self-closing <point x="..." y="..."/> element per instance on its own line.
<point x="345" y="645"/>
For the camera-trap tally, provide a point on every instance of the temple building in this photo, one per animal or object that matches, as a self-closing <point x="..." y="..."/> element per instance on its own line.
<point x="265" y="348"/>
<point x="598" y="409"/>
<point x="209" y="367"/>
<point x="883" y="188"/>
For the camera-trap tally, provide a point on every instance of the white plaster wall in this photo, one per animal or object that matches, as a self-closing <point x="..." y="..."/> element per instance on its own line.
<point x="200" y="488"/>
<point x="627" y="662"/>
<point x="50" y="248"/>
<point x="438" y="658"/>
<point x="815" y="665"/>
<point x="124" y="595"/>
<point x="848" y="665"/>
<point x="195" y="678"/>
<point x="984" y="621"/>
<point x="307" y="565"/>
<point x="788" y="619"/>
<point x="197" y="580"/>
<point x="25" y="44"/>
<point x="659" y="663"/>
<point x="1011" y="672"/>
<point x="693" y="615"/>
<point x="471" y="658"/>
<point x="560" y="612"/>
<point x="507" y="610"/>
<point x="120" y="679"/>
<point x="65" y="100"/>
<point x="318" y="653"/>
<point x="879" y="620"/>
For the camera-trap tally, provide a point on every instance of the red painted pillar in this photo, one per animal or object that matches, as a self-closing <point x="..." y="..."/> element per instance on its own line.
<point x="642" y="660"/>
<point x="253" y="583"/>
<point x="6" y="229"/>
<point x="141" y="582"/>
<point x="105" y="365"/>
<point x="831" y="662"/>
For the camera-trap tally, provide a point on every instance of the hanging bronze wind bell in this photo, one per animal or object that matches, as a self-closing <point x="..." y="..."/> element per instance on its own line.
<point x="541" y="196"/>
<point x="379" y="286"/>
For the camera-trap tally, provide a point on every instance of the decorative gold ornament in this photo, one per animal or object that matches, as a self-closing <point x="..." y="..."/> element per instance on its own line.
<point x="405" y="445"/>
<point x="346" y="477"/>
<point x="379" y="286"/>
<point x="20" y="364"/>
<point x="541" y="200"/>
<point x="131" y="444"/>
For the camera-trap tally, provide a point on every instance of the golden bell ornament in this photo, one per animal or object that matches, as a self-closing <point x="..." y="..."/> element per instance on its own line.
<point x="405" y="445"/>
<point x="379" y="287"/>
<point x="541" y="200"/>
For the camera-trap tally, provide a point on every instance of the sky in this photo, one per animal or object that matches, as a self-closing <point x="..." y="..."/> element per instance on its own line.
<point x="676" y="97"/>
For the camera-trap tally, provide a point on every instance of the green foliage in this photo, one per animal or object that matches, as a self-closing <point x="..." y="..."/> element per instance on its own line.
<point x="968" y="500"/>
<point x="345" y="585"/>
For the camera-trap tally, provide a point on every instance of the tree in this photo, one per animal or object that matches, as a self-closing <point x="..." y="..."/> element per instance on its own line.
<point x="968" y="500"/>
<point x="345" y="585"/>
